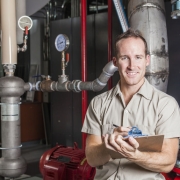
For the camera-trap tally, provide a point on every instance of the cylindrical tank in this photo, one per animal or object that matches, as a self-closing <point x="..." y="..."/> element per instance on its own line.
<point x="148" y="16"/>
<point x="12" y="163"/>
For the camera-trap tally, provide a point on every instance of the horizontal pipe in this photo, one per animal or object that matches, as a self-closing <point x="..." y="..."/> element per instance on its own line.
<point x="76" y="85"/>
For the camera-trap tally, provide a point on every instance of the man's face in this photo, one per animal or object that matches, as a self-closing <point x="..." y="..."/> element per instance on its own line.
<point x="131" y="61"/>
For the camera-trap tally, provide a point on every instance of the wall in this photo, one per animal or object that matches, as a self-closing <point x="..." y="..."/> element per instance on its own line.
<point x="173" y="30"/>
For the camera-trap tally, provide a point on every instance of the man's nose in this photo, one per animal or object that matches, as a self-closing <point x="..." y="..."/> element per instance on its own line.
<point x="131" y="64"/>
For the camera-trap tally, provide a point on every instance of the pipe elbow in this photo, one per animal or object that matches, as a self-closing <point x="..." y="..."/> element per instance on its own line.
<point x="97" y="85"/>
<point x="110" y="69"/>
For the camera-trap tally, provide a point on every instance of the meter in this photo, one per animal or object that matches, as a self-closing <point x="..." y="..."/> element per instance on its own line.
<point x="25" y="21"/>
<point x="62" y="42"/>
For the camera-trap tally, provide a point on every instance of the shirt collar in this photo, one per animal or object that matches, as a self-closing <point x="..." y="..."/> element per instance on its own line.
<point x="116" y="90"/>
<point x="145" y="90"/>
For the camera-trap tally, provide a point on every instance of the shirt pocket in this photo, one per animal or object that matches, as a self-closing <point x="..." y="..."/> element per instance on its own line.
<point x="107" y="129"/>
<point x="147" y="130"/>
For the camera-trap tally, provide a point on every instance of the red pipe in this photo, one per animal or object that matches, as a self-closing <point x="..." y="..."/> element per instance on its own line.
<point x="109" y="37"/>
<point x="83" y="63"/>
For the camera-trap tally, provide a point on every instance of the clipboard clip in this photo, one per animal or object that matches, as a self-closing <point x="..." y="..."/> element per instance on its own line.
<point x="135" y="132"/>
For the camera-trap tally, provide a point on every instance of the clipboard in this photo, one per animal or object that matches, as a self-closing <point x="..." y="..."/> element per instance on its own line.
<point x="146" y="144"/>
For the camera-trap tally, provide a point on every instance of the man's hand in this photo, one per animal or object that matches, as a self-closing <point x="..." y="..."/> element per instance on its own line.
<point x="123" y="131"/>
<point x="126" y="147"/>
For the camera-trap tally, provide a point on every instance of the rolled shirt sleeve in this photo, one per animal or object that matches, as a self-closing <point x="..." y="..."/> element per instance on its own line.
<point x="169" y="118"/>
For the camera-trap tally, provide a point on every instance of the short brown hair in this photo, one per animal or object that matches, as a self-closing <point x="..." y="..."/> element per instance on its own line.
<point x="131" y="33"/>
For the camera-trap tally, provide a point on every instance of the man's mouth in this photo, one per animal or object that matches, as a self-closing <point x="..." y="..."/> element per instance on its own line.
<point x="131" y="73"/>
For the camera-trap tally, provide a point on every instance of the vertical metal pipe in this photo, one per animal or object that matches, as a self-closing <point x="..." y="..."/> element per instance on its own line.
<point x="109" y="37"/>
<point x="149" y="19"/>
<point x="83" y="62"/>
<point x="10" y="128"/>
<point x="8" y="24"/>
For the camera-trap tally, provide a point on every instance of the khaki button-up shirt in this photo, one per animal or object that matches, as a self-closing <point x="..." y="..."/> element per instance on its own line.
<point x="151" y="110"/>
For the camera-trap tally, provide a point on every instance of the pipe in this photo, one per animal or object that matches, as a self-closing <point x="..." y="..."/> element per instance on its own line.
<point x="8" y="24"/>
<point x="20" y="11"/>
<point x="76" y="85"/>
<point x="109" y="37"/>
<point x="12" y="163"/>
<point x="149" y="19"/>
<point x="83" y="62"/>
<point x="121" y="14"/>
<point x="24" y="47"/>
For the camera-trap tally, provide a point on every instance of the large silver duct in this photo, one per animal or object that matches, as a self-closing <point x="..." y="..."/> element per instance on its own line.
<point x="148" y="16"/>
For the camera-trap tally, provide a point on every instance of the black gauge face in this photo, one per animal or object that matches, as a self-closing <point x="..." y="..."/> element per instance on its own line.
<point x="61" y="42"/>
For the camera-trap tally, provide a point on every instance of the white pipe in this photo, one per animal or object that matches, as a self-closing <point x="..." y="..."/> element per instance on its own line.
<point x="8" y="24"/>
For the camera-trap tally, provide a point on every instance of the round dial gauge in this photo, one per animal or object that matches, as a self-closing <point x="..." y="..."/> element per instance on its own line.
<point x="62" y="42"/>
<point x="25" y="21"/>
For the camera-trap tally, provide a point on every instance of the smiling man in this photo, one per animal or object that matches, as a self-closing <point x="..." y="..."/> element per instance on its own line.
<point x="132" y="102"/>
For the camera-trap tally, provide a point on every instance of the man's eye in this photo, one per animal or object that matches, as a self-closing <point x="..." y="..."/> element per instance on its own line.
<point x="124" y="58"/>
<point x="138" y="57"/>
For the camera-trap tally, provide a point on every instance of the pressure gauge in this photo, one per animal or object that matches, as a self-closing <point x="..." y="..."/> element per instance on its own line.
<point x="62" y="42"/>
<point x="25" y="21"/>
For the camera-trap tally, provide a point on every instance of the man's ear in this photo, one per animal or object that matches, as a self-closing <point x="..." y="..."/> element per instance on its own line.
<point x="114" y="61"/>
<point x="148" y="57"/>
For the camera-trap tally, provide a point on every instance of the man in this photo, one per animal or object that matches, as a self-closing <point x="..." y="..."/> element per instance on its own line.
<point x="132" y="102"/>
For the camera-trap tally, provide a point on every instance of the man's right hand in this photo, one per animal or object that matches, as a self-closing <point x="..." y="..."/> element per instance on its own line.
<point x="123" y="131"/>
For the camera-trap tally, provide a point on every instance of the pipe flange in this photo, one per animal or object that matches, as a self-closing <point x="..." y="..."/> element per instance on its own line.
<point x="38" y="86"/>
<point x="76" y="85"/>
<point x="30" y="86"/>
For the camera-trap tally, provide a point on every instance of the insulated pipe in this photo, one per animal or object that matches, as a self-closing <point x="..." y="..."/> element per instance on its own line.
<point x="109" y="37"/>
<point x="8" y="25"/>
<point x="149" y="18"/>
<point x="20" y="11"/>
<point x="83" y="62"/>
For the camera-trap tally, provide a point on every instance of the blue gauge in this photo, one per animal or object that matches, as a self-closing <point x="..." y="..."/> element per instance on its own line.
<point x="62" y="42"/>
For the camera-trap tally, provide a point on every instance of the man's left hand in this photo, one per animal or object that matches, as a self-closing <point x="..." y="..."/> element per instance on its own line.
<point x="126" y="147"/>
